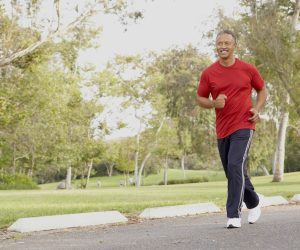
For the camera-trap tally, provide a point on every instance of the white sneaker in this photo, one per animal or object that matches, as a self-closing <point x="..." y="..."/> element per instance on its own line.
<point x="234" y="223"/>
<point x="255" y="213"/>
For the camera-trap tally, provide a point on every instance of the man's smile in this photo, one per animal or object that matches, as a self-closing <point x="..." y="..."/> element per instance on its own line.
<point x="223" y="50"/>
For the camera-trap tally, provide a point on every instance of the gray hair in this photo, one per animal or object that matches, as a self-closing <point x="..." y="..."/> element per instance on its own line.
<point x="228" y="32"/>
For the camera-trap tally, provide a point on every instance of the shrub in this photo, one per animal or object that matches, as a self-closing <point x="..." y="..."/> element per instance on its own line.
<point x="16" y="182"/>
<point x="184" y="181"/>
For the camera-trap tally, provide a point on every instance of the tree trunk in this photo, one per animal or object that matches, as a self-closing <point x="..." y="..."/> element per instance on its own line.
<point x="109" y="169"/>
<point x="265" y="170"/>
<point x="82" y="175"/>
<point x="68" y="178"/>
<point x="75" y="173"/>
<point x="89" y="174"/>
<point x="14" y="160"/>
<point x="274" y="161"/>
<point x="136" y="167"/>
<point x="140" y="171"/>
<point x="137" y="151"/>
<point x="138" y="183"/>
<point x="183" y="164"/>
<point x="136" y="155"/>
<point x="30" y="172"/>
<point x="166" y="167"/>
<point x="295" y="16"/>
<point x="280" y="148"/>
<point x="13" y="169"/>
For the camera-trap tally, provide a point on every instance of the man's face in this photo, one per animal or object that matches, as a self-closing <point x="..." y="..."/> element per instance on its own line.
<point x="225" y="46"/>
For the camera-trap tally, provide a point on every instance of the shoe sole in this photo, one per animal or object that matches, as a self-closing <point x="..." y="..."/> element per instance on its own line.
<point x="232" y="226"/>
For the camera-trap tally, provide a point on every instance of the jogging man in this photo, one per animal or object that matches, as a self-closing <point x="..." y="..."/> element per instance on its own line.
<point x="230" y="81"/>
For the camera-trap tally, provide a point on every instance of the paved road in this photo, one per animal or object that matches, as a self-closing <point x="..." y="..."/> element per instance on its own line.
<point x="278" y="228"/>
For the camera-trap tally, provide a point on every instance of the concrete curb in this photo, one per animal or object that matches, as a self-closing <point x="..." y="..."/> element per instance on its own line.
<point x="32" y="224"/>
<point x="274" y="200"/>
<point x="295" y="198"/>
<point x="181" y="210"/>
<point x="270" y="201"/>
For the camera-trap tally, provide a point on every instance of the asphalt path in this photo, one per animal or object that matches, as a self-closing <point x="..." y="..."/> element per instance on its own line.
<point x="278" y="228"/>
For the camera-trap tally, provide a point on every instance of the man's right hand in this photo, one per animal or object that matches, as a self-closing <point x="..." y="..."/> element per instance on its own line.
<point x="219" y="103"/>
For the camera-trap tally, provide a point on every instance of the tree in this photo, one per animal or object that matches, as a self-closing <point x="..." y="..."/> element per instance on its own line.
<point x="178" y="71"/>
<point x="267" y="31"/>
<point x="36" y="100"/>
<point x="124" y="161"/>
<point x="92" y="153"/>
<point x="168" y="147"/>
<point x="45" y="123"/>
<point x="81" y="11"/>
<point x="110" y="157"/>
<point x="137" y="91"/>
<point x="293" y="148"/>
<point x="280" y="55"/>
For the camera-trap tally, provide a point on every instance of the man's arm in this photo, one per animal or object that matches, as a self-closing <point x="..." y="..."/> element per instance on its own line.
<point x="205" y="102"/>
<point x="209" y="104"/>
<point x="260" y="101"/>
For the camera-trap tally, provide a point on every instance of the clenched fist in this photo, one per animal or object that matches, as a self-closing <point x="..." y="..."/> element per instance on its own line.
<point x="219" y="102"/>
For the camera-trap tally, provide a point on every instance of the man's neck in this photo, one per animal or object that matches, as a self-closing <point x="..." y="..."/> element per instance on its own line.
<point x="227" y="62"/>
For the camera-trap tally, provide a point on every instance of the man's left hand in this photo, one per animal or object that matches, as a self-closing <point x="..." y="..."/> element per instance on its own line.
<point x="255" y="115"/>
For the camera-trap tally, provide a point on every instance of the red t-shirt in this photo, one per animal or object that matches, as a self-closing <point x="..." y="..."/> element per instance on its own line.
<point x="236" y="82"/>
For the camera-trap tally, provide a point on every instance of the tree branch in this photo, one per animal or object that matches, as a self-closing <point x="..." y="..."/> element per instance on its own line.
<point x="296" y="128"/>
<point x="6" y="61"/>
<point x="20" y="157"/>
<point x="290" y="93"/>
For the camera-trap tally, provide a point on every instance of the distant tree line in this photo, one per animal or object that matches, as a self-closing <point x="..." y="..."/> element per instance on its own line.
<point x="49" y="132"/>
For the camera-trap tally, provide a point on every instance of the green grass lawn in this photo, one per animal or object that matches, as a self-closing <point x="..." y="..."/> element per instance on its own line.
<point x="152" y="179"/>
<point x="128" y="200"/>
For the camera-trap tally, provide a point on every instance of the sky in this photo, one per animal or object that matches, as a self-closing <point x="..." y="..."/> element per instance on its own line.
<point x="166" y="23"/>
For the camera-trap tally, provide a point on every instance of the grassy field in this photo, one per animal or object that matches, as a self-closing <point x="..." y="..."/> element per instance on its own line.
<point x="152" y="179"/>
<point x="128" y="200"/>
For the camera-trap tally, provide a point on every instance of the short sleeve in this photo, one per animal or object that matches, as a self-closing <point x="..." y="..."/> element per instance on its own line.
<point x="257" y="82"/>
<point x="203" y="88"/>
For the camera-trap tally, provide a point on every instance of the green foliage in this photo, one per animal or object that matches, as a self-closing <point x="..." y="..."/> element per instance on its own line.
<point x="263" y="146"/>
<point x="45" y="123"/>
<point x="16" y="182"/>
<point x="268" y="39"/>
<point x="179" y="70"/>
<point x="169" y="83"/>
<point x="177" y="75"/>
<point x="292" y="156"/>
<point x="124" y="163"/>
<point x="184" y="181"/>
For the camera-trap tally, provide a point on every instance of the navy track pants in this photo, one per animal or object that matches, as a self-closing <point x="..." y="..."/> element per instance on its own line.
<point x="233" y="151"/>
